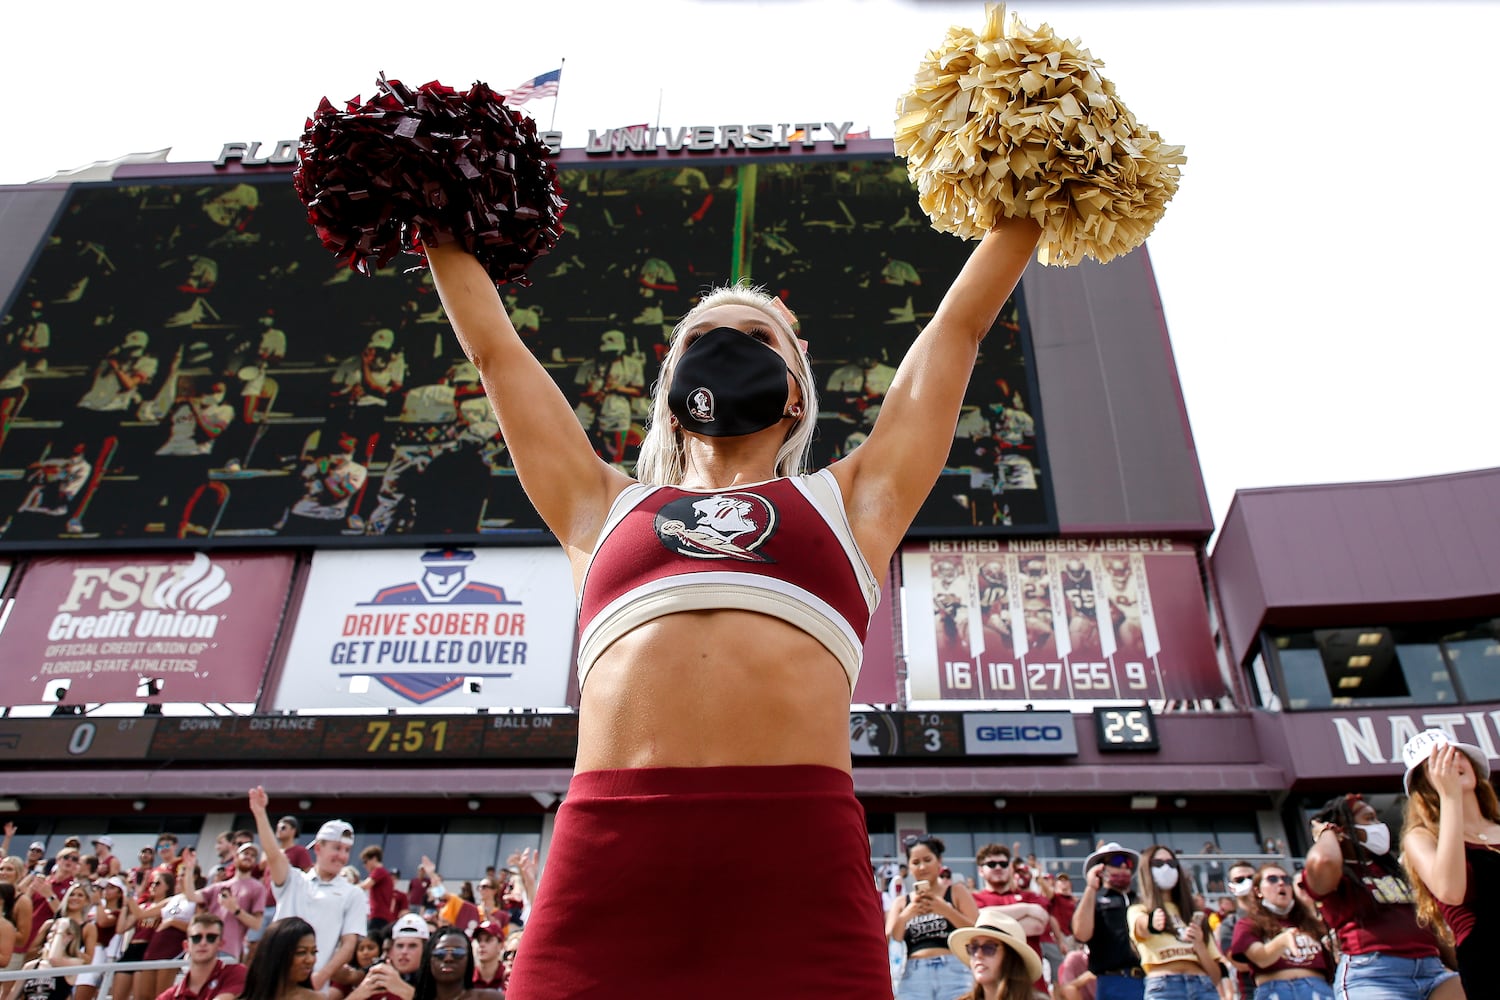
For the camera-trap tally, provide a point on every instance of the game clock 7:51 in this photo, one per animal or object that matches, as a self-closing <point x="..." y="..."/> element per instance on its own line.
<point x="410" y="736"/>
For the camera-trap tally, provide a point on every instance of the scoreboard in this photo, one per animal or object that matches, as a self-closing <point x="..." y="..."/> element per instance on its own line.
<point x="529" y="737"/>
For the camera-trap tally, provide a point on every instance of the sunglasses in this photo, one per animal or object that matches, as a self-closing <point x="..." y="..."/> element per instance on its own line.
<point x="911" y="842"/>
<point x="1120" y="861"/>
<point x="1277" y="879"/>
<point x="449" y="952"/>
<point x="985" y="948"/>
<point x="200" y="938"/>
<point x="996" y="864"/>
<point x="506" y="956"/>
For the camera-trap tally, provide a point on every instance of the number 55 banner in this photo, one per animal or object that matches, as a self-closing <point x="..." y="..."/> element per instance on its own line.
<point x="1056" y="620"/>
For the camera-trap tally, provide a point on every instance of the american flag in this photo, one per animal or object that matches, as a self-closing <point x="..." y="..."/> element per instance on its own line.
<point x="540" y="86"/>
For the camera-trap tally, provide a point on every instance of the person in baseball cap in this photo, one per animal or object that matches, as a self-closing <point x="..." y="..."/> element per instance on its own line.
<point x="1448" y="785"/>
<point x="995" y="950"/>
<point x="489" y="971"/>
<point x="410" y="925"/>
<point x="1426" y="746"/>
<point x="336" y="831"/>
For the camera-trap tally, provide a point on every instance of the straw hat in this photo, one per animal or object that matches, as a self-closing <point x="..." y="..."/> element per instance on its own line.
<point x="994" y="923"/>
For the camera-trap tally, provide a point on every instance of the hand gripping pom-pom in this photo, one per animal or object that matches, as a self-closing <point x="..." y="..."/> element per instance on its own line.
<point x="1011" y="122"/>
<point x="433" y="164"/>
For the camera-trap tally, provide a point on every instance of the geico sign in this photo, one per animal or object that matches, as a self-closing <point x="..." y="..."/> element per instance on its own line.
<point x="1039" y="733"/>
<point x="1012" y="734"/>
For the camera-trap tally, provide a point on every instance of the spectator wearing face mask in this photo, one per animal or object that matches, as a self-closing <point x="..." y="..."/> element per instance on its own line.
<point x="1100" y="922"/>
<point x="1176" y="950"/>
<point x="1282" y="940"/>
<point x="1240" y="883"/>
<point x="1366" y="900"/>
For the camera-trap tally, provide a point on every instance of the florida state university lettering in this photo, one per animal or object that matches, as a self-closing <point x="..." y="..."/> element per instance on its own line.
<point x="721" y="526"/>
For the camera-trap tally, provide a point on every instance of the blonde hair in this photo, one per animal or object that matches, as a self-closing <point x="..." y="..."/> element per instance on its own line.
<point x="1422" y="812"/>
<point x="663" y="456"/>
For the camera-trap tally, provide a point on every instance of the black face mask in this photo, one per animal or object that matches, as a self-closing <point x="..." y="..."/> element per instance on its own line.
<point x="728" y="384"/>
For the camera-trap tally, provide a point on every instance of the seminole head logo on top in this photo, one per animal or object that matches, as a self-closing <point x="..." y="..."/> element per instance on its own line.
<point x="721" y="526"/>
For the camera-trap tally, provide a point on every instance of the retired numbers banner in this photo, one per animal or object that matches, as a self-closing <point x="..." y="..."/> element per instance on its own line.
<point x="445" y="628"/>
<point x="1056" y="619"/>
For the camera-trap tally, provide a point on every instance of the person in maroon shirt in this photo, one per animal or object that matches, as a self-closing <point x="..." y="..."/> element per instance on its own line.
<point x="1029" y="909"/>
<point x="287" y="828"/>
<point x="208" y="977"/>
<point x="380" y="886"/>
<point x="1366" y="900"/>
<point x="489" y="971"/>
<point x="1281" y="940"/>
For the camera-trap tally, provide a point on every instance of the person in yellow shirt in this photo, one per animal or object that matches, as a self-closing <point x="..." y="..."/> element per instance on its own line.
<point x="1181" y="959"/>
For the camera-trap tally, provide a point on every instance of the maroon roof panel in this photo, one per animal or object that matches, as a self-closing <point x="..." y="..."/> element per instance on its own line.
<point x="1409" y="549"/>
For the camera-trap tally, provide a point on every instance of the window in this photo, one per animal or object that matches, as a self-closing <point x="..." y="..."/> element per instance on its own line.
<point x="1475" y="655"/>
<point x="1369" y="665"/>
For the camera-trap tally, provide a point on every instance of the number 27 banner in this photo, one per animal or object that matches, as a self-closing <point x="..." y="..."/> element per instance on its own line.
<point x="1056" y="620"/>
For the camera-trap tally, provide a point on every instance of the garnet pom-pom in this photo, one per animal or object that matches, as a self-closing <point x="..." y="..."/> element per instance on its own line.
<point x="433" y="164"/>
<point x="1011" y="122"/>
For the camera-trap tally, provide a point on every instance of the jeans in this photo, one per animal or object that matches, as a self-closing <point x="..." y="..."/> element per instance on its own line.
<point x="1378" y="976"/>
<point x="1306" y="988"/>
<point x="941" y="977"/>
<point x="1119" y="988"/>
<point x="1179" y="986"/>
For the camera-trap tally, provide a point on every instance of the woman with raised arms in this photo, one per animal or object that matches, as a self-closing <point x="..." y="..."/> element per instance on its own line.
<point x="724" y="598"/>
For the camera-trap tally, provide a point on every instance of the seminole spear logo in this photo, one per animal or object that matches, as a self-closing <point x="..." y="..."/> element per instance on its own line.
<point x="719" y="526"/>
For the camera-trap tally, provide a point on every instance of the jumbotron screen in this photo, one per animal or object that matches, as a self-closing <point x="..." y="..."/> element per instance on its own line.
<point x="184" y="364"/>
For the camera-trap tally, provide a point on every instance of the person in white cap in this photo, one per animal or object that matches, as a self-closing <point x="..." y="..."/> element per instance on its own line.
<point x="361" y="388"/>
<point x="104" y="850"/>
<point x="335" y="907"/>
<point x="995" y="950"/>
<point x="396" y="978"/>
<point x="1451" y="835"/>
<point x="1100" y="921"/>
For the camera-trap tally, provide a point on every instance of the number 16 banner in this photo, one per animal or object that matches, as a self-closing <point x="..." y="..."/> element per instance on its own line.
<point x="1056" y="620"/>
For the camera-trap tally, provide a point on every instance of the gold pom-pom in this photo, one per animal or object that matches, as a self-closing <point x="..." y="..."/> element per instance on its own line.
<point x="1011" y="122"/>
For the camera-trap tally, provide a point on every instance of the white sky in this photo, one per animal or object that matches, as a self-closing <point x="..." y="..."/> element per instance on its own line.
<point x="1324" y="268"/>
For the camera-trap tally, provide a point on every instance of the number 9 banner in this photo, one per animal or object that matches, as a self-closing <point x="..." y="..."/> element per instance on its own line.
<point x="1078" y="620"/>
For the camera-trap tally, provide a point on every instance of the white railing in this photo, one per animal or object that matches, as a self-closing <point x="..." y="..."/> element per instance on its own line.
<point x="108" y="968"/>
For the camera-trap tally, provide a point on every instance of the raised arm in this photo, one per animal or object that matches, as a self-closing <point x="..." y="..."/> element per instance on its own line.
<point x="1439" y="861"/>
<point x="888" y="477"/>
<point x="276" y="863"/>
<point x="570" y="486"/>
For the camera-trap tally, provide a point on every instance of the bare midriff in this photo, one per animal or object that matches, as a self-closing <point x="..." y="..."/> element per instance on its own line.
<point x="1183" y="967"/>
<point x="714" y="689"/>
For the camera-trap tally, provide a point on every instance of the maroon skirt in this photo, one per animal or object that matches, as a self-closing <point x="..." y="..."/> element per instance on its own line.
<point x="167" y="942"/>
<point x="740" y="883"/>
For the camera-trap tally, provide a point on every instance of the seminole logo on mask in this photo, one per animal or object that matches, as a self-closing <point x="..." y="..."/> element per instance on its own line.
<point x="700" y="404"/>
<point x="722" y="526"/>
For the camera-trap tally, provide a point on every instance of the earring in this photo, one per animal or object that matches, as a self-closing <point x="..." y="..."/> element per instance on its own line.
<point x="793" y="411"/>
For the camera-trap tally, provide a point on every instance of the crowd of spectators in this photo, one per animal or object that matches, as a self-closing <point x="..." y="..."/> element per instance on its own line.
<point x="267" y="917"/>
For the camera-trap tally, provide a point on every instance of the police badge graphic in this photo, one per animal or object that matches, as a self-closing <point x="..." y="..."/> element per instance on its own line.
<point x="721" y="526"/>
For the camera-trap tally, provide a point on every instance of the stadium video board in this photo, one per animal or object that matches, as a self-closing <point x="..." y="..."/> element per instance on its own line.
<point x="185" y="365"/>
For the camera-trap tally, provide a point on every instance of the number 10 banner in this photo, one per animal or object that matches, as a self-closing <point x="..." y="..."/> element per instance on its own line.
<point x="1075" y="619"/>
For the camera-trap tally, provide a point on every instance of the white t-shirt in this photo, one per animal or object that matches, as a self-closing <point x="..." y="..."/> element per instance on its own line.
<point x="333" y="908"/>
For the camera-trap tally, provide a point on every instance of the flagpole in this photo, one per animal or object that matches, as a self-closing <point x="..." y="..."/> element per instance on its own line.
<point x="557" y="96"/>
<point x="659" y="92"/>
